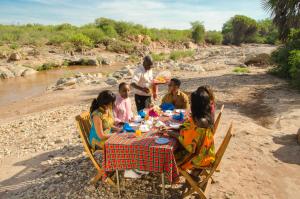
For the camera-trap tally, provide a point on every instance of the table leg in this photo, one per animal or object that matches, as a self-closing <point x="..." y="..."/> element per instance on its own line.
<point x="118" y="183"/>
<point x="163" y="184"/>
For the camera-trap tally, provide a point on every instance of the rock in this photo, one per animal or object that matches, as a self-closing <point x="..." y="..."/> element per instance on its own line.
<point x="111" y="81"/>
<point x="258" y="59"/>
<point x="105" y="61"/>
<point x="190" y="45"/>
<point x="61" y="81"/>
<point x="70" y="82"/>
<point x="5" y="73"/>
<point x="99" y="75"/>
<point x="79" y="74"/>
<point x="15" y="57"/>
<point x="298" y="135"/>
<point x="92" y="62"/>
<point x="29" y="71"/>
<point x="17" y="70"/>
<point x="3" y="55"/>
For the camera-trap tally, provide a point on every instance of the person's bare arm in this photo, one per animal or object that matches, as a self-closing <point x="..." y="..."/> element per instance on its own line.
<point x="99" y="128"/>
<point x="144" y="89"/>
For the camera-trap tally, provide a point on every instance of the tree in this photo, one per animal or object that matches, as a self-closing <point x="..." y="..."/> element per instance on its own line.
<point x="198" y="32"/>
<point x="286" y="15"/>
<point x="239" y="29"/>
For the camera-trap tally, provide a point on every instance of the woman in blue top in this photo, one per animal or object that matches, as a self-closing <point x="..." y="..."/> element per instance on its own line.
<point x="102" y="119"/>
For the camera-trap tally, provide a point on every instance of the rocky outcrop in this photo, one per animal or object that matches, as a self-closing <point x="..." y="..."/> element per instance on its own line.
<point x="15" y="71"/>
<point x="258" y="59"/>
<point x="15" y="57"/>
<point x="78" y="79"/>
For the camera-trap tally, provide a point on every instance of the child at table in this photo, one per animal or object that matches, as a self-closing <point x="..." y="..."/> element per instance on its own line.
<point x="122" y="109"/>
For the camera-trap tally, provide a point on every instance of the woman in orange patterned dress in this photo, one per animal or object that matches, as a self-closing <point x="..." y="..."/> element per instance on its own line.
<point x="195" y="135"/>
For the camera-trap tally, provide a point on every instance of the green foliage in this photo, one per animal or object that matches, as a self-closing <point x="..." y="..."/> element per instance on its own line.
<point x="241" y="70"/>
<point x="287" y="58"/>
<point x="80" y="40"/>
<point x="213" y="37"/>
<point x="176" y="55"/>
<point x="14" y="46"/>
<point x="239" y="29"/>
<point x="120" y="47"/>
<point x="198" y="32"/>
<point x="159" y="57"/>
<point x="47" y="66"/>
<point x="286" y="15"/>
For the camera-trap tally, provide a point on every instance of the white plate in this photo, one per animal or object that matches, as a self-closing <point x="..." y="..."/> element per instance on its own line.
<point x="144" y="128"/>
<point x="179" y="110"/>
<point x="174" y="125"/>
<point x="162" y="141"/>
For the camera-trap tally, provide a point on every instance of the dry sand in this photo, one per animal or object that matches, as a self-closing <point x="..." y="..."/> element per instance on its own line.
<point x="42" y="155"/>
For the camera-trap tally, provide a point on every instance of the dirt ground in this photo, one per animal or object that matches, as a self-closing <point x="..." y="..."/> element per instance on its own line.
<point x="43" y="157"/>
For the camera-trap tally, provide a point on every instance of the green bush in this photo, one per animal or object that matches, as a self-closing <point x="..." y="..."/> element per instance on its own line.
<point x="47" y="66"/>
<point x="213" y="37"/>
<point x="287" y="58"/>
<point x="176" y="55"/>
<point x="198" y="32"/>
<point x="239" y="29"/>
<point x="80" y="40"/>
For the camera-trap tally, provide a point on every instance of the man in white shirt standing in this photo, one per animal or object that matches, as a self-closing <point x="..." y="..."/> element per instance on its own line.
<point x="142" y="82"/>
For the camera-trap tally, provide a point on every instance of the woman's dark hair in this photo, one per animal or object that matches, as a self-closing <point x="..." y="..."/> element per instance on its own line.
<point x="104" y="98"/>
<point x="200" y="107"/>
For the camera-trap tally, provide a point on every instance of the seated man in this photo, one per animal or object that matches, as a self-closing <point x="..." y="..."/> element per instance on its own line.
<point x="176" y="97"/>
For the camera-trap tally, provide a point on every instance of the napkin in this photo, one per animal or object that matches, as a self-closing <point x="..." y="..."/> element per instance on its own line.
<point x="179" y="117"/>
<point x="142" y="113"/>
<point x="167" y="106"/>
<point x="153" y="113"/>
<point x="127" y="128"/>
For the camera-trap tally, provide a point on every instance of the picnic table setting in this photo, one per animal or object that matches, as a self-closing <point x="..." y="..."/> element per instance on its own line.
<point x="145" y="144"/>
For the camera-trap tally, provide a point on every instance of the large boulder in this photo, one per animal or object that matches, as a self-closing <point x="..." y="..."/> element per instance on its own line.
<point x="258" y="59"/>
<point x="92" y="62"/>
<point x="105" y="61"/>
<point x="15" y="57"/>
<point x="17" y="70"/>
<point x="111" y="81"/>
<point x="28" y="71"/>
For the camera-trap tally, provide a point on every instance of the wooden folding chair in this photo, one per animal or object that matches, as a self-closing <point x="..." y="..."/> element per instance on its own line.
<point x="84" y="126"/>
<point x="217" y="121"/>
<point x="202" y="187"/>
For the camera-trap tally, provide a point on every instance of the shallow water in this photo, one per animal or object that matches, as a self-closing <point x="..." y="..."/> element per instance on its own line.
<point x="19" y="88"/>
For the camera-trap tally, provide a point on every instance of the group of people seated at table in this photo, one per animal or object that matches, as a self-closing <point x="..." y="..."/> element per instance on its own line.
<point x="110" y="111"/>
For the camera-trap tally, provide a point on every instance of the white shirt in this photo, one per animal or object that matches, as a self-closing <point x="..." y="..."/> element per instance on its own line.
<point x="143" y="79"/>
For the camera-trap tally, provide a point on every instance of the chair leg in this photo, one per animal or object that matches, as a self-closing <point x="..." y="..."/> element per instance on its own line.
<point x="96" y="178"/>
<point x="194" y="185"/>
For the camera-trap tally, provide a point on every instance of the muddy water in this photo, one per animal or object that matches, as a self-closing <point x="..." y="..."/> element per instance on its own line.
<point x="16" y="89"/>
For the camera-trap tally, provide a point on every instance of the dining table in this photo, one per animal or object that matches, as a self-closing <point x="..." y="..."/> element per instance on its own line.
<point x="128" y="150"/>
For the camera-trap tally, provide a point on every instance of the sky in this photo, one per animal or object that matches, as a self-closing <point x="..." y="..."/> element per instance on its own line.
<point x="175" y="14"/>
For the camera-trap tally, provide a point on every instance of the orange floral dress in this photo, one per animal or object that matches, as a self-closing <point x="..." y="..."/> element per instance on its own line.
<point x="196" y="140"/>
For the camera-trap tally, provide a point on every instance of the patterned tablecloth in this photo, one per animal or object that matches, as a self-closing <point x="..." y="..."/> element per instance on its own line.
<point x="125" y="151"/>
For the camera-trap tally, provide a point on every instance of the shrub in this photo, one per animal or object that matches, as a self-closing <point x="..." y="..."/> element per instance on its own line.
<point x="239" y="29"/>
<point x="120" y="47"/>
<point x="80" y="40"/>
<point x="176" y="55"/>
<point x="47" y="66"/>
<point x="213" y="37"/>
<point x="287" y="59"/>
<point x="198" y="32"/>
<point x="96" y="35"/>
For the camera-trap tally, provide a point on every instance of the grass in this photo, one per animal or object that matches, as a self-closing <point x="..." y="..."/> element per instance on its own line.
<point x="241" y="70"/>
<point x="179" y="54"/>
<point x="159" y="56"/>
